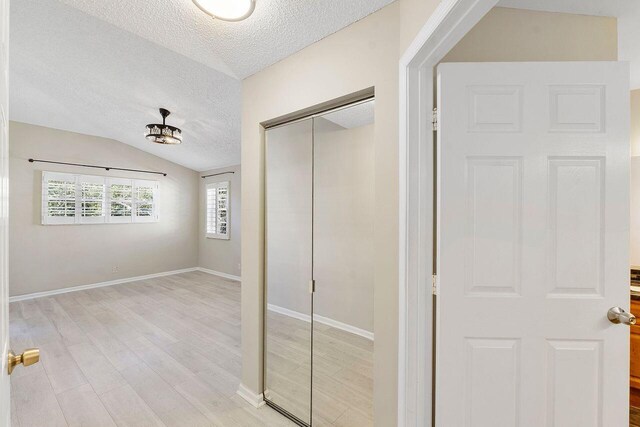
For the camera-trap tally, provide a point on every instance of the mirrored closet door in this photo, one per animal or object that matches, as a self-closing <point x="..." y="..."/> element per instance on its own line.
<point x="320" y="209"/>
<point x="288" y="269"/>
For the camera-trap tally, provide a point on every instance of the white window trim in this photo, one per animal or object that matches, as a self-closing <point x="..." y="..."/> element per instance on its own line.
<point x="77" y="179"/>
<point x="216" y="185"/>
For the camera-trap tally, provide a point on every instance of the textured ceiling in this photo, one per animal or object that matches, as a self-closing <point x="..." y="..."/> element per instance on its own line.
<point x="627" y="12"/>
<point x="355" y="116"/>
<point x="104" y="67"/>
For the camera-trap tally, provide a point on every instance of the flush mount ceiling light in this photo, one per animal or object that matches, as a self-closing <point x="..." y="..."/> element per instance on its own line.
<point x="227" y="10"/>
<point x="163" y="134"/>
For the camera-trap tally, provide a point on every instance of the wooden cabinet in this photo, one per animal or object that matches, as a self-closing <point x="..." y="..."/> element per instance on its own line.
<point x="635" y="356"/>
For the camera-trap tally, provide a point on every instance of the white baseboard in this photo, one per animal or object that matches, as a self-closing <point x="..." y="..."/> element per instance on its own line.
<point x="118" y="282"/>
<point x="290" y="313"/>
<point x="321" y="319"/>
<point x="219" y="273"/>
<point x="254" y="400"/>
<point x="99" y="285"/>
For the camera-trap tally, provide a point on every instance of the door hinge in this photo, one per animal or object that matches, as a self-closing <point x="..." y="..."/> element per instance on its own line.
<point x="312" y="286"/>
<point x="434" y="119"/>
<point x="434" y="284"/>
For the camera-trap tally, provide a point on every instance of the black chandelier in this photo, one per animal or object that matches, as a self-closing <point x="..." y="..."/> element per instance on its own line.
<point x="164" y="133"/>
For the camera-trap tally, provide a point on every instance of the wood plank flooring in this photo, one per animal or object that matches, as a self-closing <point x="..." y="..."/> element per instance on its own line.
<point x="159" y="352"/>
<point x="342" y="372"/>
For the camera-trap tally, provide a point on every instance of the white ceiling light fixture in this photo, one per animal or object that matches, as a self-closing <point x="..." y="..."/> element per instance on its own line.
<point x="227" y="10"/>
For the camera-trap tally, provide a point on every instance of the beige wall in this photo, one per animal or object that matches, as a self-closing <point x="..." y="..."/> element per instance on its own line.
<point x="51" y="257"/>
<point x="342" y="192"/>
<point x="362" y="55"/>
<point x="288" y="216"/>
<point x="344" y="207"/>
<point x="523" y="35"/>
<point x="218" y="254"/>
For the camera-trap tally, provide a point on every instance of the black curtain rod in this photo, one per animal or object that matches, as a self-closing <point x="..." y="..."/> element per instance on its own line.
<point x="216" y="174"/>
<point x="96" y="167"/>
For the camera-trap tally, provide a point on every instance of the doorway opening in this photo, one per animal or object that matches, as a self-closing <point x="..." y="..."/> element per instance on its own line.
<point x="466" y="45"/>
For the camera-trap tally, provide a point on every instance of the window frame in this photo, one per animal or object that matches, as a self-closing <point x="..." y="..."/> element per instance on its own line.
<point x="215" y="186"/>
<point x="77" y="180"/>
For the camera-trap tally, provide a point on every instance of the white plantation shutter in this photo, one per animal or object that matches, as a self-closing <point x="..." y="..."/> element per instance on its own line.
<point x="120" y="193"/>
<point x="90" y="199"/>
<point x="58" y="198"/>
<point x="218" y="210"/>
<point x="144" y="201"/>
<point x="211" y="209"/>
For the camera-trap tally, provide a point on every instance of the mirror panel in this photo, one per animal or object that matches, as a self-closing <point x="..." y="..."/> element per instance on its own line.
<point x="343" y="269"/>
<point x="288" y="268"/>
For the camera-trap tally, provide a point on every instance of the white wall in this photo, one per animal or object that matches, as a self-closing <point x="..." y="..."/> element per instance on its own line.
<point x="218" y="254"/>
<point x="44" y="258"/>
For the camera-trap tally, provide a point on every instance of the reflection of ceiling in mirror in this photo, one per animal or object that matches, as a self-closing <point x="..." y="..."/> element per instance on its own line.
<point x="353" y="117"/>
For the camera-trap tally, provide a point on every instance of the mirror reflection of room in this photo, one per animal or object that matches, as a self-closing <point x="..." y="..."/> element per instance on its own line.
<point x="320" y="212"/>
<point x="343" y="265"/>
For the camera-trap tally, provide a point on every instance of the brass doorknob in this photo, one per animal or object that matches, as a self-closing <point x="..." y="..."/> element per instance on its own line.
<point x="28" y="357"/>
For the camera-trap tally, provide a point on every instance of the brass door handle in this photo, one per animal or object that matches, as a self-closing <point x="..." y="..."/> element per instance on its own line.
<point x="27" y="358"/>
<point x="619" y="315"/>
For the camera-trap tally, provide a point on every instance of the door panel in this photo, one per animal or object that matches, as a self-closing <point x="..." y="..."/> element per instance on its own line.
<point x="343" y="265"/>
<point x="288" y="271"/>
<point x="533" y="236"/>
<point x="4" y="209"/>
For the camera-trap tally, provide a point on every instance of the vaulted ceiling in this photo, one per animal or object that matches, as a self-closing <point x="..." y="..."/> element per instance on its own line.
<point x="104" y="67"/>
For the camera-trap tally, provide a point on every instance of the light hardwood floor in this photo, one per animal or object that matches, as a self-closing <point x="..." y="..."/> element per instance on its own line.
<point x="342" y="372"/>
<point x="160" y="352"/>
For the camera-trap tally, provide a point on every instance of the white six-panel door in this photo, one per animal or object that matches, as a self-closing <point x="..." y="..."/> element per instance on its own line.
<point x="533" y="238"/>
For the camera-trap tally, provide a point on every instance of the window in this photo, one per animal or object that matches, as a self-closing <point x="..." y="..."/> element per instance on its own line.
<point x="92" y="199"/>
<point x="218" y="210"/>
<point x="59" y="204"/>
<point x="120" y="200"/>
<point x="144" y="200"/>
<point x="89" y="199"/>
